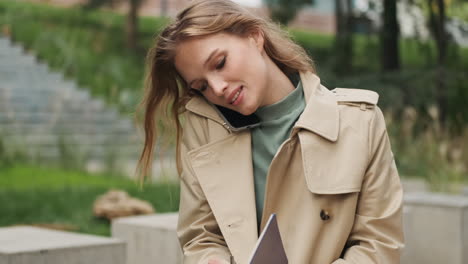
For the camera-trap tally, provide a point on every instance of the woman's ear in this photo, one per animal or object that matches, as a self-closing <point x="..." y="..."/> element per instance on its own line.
<point x="258" y="38"/>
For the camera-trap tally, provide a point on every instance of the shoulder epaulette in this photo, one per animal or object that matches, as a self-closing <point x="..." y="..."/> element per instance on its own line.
<point x="365" y="99"/>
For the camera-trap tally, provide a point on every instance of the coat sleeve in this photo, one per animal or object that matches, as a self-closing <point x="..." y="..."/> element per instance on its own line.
<point x="198" y="231"/>
<point x="377" y="233"/>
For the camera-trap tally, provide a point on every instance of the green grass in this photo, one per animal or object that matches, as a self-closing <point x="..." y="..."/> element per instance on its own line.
<point x="38" y="195"/>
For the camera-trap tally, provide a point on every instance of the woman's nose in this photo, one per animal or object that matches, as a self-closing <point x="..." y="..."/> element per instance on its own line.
<point x="218" y="85"/>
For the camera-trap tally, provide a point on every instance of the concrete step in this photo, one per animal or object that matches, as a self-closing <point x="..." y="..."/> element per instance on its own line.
<point x="119" y="126"/>
<point x="12" y="49"/>
<point x="30" y="78"/>
<point x="43" y="97"/>
<point x="43" y="81"/>
<point x="41" y="93"/>
<point x="82" y="151"/>
<point x="13" y="60"/>
<point x="35" y="70"/>
<point x="77" y="138"/>
<point x="4" y="42"/>
<point x="46" y="117"/>
<point x="52" y="107"/>
<point x="25" y="76"/>
<point x="17" y="87"/>
<point x="39" y="87"/>
<point x="23" y="244"/>
<point x="18" y="71"/>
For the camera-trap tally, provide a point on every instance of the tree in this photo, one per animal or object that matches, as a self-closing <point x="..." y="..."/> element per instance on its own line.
<point x="437" y="20"/>
<point x="131" y="26"/>
<point x="284" y="11"/>
<point x="389" y="37"/>
<point x="344" y="36"/>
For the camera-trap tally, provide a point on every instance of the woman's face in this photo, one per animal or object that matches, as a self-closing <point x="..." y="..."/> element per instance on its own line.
<point x="228" y="70"/>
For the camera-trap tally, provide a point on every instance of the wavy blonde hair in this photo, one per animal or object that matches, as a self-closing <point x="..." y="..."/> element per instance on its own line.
<point x="166" y="93"/>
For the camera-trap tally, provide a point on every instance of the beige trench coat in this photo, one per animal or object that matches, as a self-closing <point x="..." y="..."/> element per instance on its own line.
<point x="333" y="184"/>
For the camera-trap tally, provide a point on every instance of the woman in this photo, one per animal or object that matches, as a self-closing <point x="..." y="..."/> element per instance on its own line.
<point x="261" y="135"/>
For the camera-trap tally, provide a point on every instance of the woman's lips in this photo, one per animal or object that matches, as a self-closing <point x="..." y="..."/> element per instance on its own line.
<point x="237" y="98"/>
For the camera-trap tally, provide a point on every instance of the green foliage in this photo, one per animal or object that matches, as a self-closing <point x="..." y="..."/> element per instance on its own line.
<point x="89" y="47"/>
<point x="11" y="154"/>
<point x="284" y="11"/>
<point x="425" y="149"/>
<point x="69" y="158"/>
<point x="458" y="9"/>
<point x="416" y="88"/>
<point x="36" y="195"/>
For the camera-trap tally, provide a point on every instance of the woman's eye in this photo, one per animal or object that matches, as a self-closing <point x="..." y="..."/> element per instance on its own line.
<point x="203" y="87"/>
<point x="200" y="86"/>
<point x="220" y="65"/>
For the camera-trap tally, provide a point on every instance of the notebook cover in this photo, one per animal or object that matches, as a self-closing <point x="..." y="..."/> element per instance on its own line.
<point x="269" y="248"/>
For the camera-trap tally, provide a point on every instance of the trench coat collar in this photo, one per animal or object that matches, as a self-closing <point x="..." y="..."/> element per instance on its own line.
<point x="320" y="116"/>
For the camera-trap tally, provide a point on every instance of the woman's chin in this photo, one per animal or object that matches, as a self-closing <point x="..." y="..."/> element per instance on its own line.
<point x="247" y="111"/>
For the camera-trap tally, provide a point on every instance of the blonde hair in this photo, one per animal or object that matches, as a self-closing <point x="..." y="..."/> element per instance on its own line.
<point x="165" y="91"/>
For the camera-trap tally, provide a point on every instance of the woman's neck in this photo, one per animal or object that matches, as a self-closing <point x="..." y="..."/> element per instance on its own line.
<point x="279" y="84"/>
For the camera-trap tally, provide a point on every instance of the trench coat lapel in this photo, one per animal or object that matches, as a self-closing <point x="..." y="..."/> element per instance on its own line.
<point x="321" y="114"/>
<point x="224" y="170"/>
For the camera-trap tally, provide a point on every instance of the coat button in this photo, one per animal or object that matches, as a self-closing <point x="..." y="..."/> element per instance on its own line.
<point x="324" y="215"/>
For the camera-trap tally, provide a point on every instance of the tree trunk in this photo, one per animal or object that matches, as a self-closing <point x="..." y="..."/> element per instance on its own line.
<point x="132" y="25"/>
<point x="343" y="39"/>
<point x="389" y="37"/>
<point x="442" y="40"/>
<point x="437" y="20"/>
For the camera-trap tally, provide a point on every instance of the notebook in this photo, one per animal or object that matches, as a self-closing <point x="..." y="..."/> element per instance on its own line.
<point x="269" y="248"/>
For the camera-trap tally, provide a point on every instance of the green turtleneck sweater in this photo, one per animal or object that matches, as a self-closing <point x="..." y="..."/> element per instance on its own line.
<point x="276" y="122"/>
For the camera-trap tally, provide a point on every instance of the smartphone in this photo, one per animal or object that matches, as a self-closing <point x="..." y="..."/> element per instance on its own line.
<point x="233" y="120"/>
<point x="236" y="121"/>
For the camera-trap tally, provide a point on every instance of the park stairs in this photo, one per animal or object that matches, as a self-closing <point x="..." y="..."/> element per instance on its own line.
<point x="46" y="118"/>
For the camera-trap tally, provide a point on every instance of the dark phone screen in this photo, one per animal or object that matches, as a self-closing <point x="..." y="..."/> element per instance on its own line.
<point x="236" y="119"/>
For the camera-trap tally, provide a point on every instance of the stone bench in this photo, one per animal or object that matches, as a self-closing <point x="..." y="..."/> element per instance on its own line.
<point x="436" y="228"/>
<point x="27" y="245"/>
<point x="150" y="238"/>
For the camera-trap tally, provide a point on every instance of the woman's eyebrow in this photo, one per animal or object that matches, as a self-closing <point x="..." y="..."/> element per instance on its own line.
<point x="204" y="64"/>
<point x="209" y="57"/>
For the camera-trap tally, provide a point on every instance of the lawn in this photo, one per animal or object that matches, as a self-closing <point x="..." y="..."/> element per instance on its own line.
<point x="51" y="196"/>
